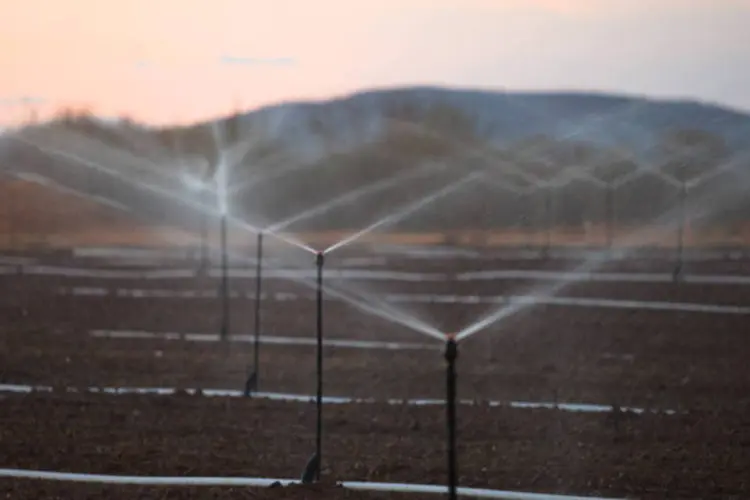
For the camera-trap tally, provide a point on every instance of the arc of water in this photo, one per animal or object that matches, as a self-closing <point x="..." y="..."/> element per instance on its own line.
<point x="365" y="302"/>
<point x="509" y="187"/>
<point x="734" y="165"/>
<point x="477" y="151"/>
<point x="131" y="159"/>
<point x="253" y="180"/>
<point x="408" y="210"/>
<point x="366" y="190"/>
<point x="485" y="152"/>
<point x="709" y="205"/>
<point x="201" y="207"/>
<point x="579" y="128"/>
<point x="388" y="312"/>
<point x="582" y="174"/>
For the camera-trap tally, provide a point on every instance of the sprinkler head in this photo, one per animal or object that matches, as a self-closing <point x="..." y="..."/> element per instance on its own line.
<point x="451" y="348"/>
<point x="319" y="259"/>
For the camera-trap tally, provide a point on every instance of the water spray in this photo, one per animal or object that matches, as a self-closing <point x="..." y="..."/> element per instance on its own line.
<point x="211" y="210"/>
<point x="356" y="194"/>
<point x="258" y="291"/>
<point x="224" y="279"/>
<point x="512" y="307"/>
<point x="221" y="179"/>
<point x="204" y="260"/>
<point x="407" y="210"/>
<point x="251" y="384"/>
<point x="319" y="263"/>
<point x="451" y="354"/>
<point x="548" y="220"/>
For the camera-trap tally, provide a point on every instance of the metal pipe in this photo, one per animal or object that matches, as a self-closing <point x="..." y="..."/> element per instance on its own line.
<point x="258" y="291"/>
<point x="319" y="261"/>
<point x="224" y="280"/>
<point x="451" y="353"/>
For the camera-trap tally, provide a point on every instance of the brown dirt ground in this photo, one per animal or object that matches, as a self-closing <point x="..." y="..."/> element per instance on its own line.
<point x="702" y="455"/>
<point x="656" y="359"/>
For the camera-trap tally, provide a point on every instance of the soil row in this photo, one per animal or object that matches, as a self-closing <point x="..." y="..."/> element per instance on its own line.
<point x="702" y="455"/>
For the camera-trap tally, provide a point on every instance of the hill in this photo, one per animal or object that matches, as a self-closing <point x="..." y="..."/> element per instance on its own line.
<point x="547" y="158"/>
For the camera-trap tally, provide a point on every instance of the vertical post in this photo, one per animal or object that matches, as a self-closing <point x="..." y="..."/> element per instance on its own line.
<point x="548" y="221"/>
<point x="204" y="233"/>
<point x="609" y="214"/>
<point x="12" y="215"/>
<point x="319" y="261"/>
<point x="224" y="280"/>
<point x="451" y="353"/>
<point x="258" y="291"/>
<point x="681" y="232"/>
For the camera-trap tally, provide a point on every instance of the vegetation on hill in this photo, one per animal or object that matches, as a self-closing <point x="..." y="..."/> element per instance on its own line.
<point x="548" y="158"/>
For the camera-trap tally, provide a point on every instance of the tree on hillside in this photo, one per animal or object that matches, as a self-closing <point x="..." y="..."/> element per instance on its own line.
<point x="439" y="131"/>
<point x="689" y="153"/>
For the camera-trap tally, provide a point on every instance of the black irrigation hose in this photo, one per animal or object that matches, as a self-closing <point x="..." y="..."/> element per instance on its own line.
<point x="451" y="353"/>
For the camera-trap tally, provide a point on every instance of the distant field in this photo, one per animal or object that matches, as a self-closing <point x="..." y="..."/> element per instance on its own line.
<point x="35" y="216"/>
<point x="161" y="237"/>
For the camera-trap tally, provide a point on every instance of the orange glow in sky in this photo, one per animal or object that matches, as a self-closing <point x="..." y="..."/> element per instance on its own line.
<point x="162" y="60"/>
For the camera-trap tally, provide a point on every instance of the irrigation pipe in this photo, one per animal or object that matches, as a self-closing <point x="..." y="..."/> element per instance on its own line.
<point x="418" y="298"/>
<point x="305" y="398"/>
<point x="355" y="274"/>
<point x="262" y="339"/>
<point x="266" y="482"/>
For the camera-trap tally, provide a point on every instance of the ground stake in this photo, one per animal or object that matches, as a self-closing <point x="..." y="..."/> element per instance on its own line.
<point x="319" y="262"/>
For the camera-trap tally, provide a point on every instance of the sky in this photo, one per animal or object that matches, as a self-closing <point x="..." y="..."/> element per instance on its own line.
<point x="163" y="61"/>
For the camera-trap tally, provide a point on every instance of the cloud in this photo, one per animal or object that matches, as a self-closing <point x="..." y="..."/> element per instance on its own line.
<point x="257" y="61"/>
<point x="21" y="100"/>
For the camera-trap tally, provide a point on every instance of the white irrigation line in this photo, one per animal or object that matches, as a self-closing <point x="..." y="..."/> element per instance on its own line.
<point x="151" y="255"/>
<point x="263" y="339"/>
<point x="78" y="272"/>
<point x="11" y="260"/>
<point x="331" y="400"/>
<point x="446" y="252"/>
<point x="156" y="293"/>
<point x="643" y="253"/>
<point x="263" y="482"/>
<point x="47" y="182"/>
<point x="133" y="252"/>
<point x="380" y="275"/>
<point x="586" y="302"/>
<point x="561" y="276"/>
<point x="341" y="274"/>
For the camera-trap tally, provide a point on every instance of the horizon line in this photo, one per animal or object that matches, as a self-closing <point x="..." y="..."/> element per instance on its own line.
<point x="341" y="96"/>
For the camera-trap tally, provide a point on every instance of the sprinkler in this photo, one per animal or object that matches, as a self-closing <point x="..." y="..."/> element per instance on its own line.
<point x="224" y="331"/>
<point x="319" y="262"/>
<point x="547" y="222"/>
<point x="451" y="353"/>
<point x="251" y="384"/>
<point x="203" y="265"/>
<point x="609" y="209"/>
<point x="258" y="291"/>
<point x="679" y="264"/>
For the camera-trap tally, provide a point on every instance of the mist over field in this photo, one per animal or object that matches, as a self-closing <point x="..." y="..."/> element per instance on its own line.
<point x="547" y="159"/>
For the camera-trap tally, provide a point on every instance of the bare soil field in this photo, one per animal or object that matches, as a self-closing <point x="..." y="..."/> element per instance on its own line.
<point x="687" y="361"/>
<point x="701" y="455"/>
